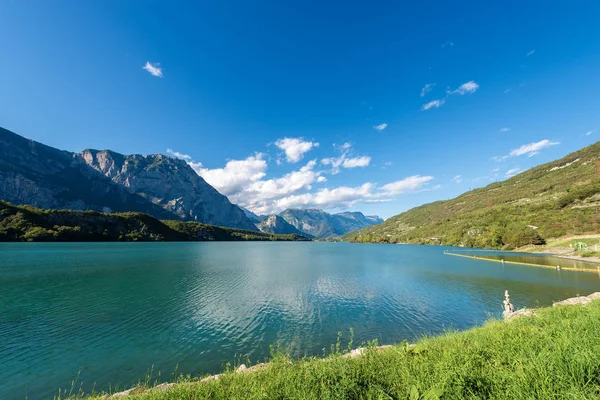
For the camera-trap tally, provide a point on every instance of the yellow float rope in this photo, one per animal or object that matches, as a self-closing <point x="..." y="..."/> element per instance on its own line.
<point x="516" y="262"/>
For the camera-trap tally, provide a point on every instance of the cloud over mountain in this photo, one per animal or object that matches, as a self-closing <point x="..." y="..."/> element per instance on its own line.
<point x="245" y="181"/>
<point x="529" y="149"/>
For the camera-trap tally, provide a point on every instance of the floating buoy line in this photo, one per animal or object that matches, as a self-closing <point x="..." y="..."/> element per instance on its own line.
<point x="556" y="267"/>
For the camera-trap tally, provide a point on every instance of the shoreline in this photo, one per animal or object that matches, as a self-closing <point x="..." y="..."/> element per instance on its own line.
<point x="591" y="260"/>
<point x="361" y="353"/>
<point x="525" y="263"/>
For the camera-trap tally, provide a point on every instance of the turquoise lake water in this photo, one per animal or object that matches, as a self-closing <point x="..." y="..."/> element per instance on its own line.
<point x="107" y="313"/>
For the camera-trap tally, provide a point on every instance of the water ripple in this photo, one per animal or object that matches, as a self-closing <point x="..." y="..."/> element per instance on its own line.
<point x="111" y="311"/>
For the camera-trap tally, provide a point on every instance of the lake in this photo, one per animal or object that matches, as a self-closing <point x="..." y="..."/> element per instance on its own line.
<point x="107" y="314"/>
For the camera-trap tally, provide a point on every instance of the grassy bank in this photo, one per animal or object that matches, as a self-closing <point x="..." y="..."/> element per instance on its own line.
<point x="566" y="247"/>
<point x="553" y="355"/>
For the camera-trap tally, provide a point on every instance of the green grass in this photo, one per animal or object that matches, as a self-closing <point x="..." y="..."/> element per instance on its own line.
<point x="587" y="254"/>
<point x="554" y="355"/>
<point x="566" y="247"/>
<point x="566" y="243"/>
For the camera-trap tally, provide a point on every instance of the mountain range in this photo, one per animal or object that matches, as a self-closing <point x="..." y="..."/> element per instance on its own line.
<point x="312" y="223"/>
<point x="164" y="187"/>
<point x="319" y="224"/>
<point x="548" y="201"/>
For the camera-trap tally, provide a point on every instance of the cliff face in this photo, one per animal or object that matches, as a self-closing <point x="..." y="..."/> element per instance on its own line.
<point x="351" y="221"/>
<point x="321" y="224"/>
<point x="169" y="183"/>
<point x="274" y="224"/>
<point x="164" y="187"/>
<point x="39" y="175"/>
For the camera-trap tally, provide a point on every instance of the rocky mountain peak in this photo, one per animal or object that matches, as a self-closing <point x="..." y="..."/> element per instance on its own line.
<point x="321" y="224"/>
<point x="170" y="183"/>
<point x="275" y="224"/>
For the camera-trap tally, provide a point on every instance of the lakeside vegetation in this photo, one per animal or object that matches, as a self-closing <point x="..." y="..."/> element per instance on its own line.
<point x="31" y="224"/>
<point x="549" y="201"/>
<point x="555" y="354"/>
<point x="568" y="247"/>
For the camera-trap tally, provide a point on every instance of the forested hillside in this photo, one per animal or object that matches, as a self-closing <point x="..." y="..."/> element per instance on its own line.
<point x="30" y="224"/>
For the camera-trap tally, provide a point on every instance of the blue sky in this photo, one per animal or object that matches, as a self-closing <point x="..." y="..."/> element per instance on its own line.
<point x="370" y="106"/>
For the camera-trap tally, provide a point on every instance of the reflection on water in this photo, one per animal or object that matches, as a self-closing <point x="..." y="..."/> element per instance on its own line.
<point x="111" y="311"/>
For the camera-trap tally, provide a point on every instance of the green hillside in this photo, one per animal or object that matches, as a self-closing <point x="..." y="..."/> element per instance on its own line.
<point x="551" y="200"/>
<point x="30" y="224"/>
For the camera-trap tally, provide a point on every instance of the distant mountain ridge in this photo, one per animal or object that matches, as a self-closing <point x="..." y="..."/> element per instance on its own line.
<point x="314" y="222"/>
<point x="321" y="224"/>
<point x="548" y="201"/>
<point x="167" y="188"/>
<point x="274" y="224"/>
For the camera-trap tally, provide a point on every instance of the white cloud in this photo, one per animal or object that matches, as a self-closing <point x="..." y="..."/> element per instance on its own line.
<point x="465" y="88"/>
<point x="295" y="148"/>
<point x="269" y="201"/>
<point x="339" y="197"/>
<point x="504" y="130"/>
<point x="235" y="176"/>
<point x="244" y="183"/>
<point x="344" y="161"/>
<point x="432" y="104"/>
<point x="345" y="197"/>
<point x="513" y="172"/>
<point x="177" y="154"/>
<point x="530" y="52"/>
<point x="448" y="43"/>
<point x="380" y="127"/>
<point x="362" y="161"/>
<point x="530" y="149"/>
<point x="409" y="184"/>
<point x="589" y="133"/>
<point x="154" y="69"/>
<point x="285" y="185"/>
<point x="427" y="88"/>
<point x="457" y="179"/>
